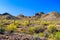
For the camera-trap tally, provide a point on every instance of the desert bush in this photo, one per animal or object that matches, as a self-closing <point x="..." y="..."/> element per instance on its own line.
<point x="11" y="28"/>
<point x="25" y="22"/>
<point x="35" y="35"/>
<point x="3" y="21"/>
<point x="2" y="30"/>
<point x="38" y="35"/>
<point x="51" y="37"/>
<point x="32" y="30"/>
<point x="39" y="29"/>
<point x="41" y="34"/>
<point x="45" y="22"/>
<point x="51" y="28"/>
<point x="16" y="22"/>
<point x="57" y="35"/>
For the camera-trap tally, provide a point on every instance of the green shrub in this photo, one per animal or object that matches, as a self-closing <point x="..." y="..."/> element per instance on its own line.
<point x="51" y="37"/>
<point x="30" y="30"/>
<point x="41" y="34"/>
<point x="38" y="35"/>
<point x="2" y="30"/>
<point x="11" y="28"/>
<point x="25" y="22"/>
<point x="57" y="35"/>
<point x="51" y="28"/>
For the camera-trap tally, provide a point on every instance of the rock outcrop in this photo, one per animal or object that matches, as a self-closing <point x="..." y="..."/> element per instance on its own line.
<point x="7" y="16"/>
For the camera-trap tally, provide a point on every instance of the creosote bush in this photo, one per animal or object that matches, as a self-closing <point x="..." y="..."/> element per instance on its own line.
<point x="35" y="35"/>
<point x="11" y="28"/>
<point x="24" y="22"/>
<point x="2" y="30"/>
<point x="32" y="30"/>
<point x="51" y="28"/>
<point x="57" y="35"/>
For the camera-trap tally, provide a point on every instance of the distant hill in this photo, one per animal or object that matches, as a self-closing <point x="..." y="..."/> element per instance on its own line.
<point x="7" y="16"/>
<point x="40" y="15"/>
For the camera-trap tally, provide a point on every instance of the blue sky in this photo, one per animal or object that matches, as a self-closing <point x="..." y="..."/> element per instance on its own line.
<point x="29" y="7"/>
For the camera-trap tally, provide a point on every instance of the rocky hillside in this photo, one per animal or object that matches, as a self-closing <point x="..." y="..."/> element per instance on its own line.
<point x="41" y="26"/>
<point x="40" y="15"/>
<point x="7" y="16"/>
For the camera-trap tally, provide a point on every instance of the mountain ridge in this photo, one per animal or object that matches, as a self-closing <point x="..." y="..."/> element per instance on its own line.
<point x="41" y="15"/>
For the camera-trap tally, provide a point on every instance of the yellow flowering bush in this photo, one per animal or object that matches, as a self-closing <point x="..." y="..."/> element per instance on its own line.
<point x="25" y="22"/>
<point x="51" y="28"/>
<point x="11" y="27"/>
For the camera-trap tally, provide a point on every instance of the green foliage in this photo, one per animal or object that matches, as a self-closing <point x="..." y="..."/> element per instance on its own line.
<point x="45" y="22"/>
<point x="30" y="30"/>
<point x="57" y="35"/>
<point x="11" y="27"/>
<point x="51" y="28"/>
<point x="2" y="30"/>
<point x="38" y="35"/>
<point x="24" y="22"/>
<point x="51" y="37"/>
<point x="41" y="34"/>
